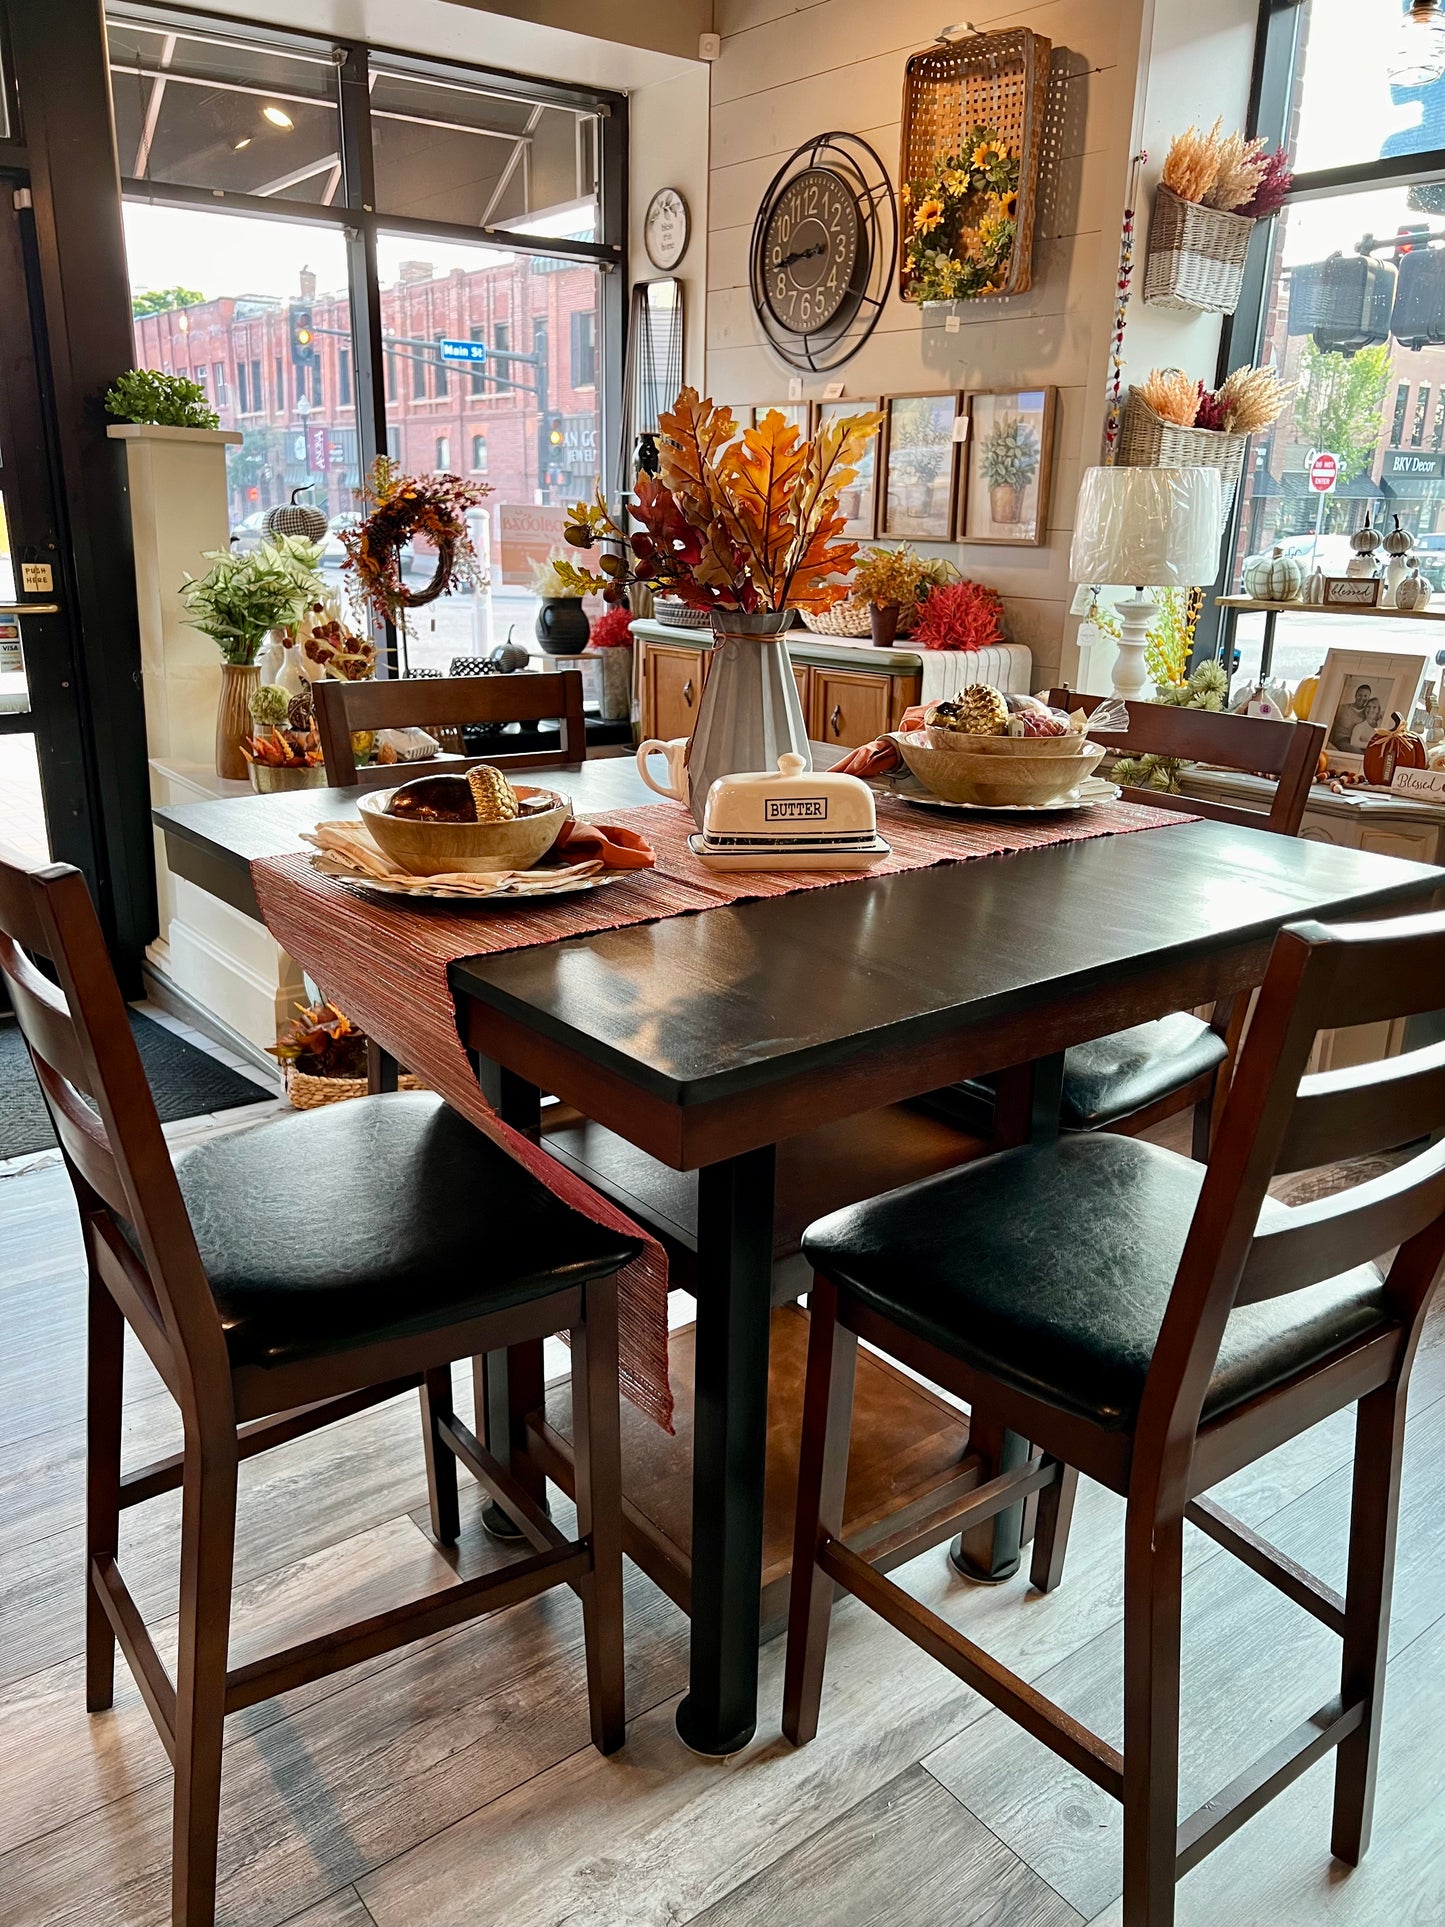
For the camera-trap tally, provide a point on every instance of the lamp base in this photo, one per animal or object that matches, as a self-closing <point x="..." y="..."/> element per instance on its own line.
<point x="1130" y="668"/>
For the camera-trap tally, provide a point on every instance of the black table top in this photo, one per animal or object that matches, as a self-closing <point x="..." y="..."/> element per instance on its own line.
<point x="700" y="1007"/>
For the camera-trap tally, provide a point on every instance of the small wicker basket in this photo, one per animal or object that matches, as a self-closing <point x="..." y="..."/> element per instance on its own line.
<point x="997" y="80"/>
<point x="853" y="619"/>
<point x="309" y="1093"/>
<point x="1148" y="441"/>
<point x="1195" y="259"/>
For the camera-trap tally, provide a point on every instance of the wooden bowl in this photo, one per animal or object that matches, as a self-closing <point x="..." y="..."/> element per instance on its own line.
<point x="438" y="849"/>
<point x="999" y="772"/>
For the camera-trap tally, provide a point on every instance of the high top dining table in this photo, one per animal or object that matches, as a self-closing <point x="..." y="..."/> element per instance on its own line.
<point x="699" y="1045"/>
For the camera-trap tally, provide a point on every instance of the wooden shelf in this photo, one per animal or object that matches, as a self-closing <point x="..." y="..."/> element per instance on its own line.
<point x="1322" y="609"/>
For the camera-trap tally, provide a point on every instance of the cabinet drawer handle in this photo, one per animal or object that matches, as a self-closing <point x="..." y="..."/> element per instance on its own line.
<point x="687" y="692"/>
<point x="835" y="721"/>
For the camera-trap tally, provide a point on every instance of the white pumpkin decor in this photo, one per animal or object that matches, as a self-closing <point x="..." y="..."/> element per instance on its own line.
<point x="1273" y="578"/>
<point x="1314" y="589"/>
<point x="1413" y="593"/>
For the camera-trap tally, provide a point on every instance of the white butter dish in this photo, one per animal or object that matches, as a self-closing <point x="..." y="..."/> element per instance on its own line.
<point x="791" y="818"/>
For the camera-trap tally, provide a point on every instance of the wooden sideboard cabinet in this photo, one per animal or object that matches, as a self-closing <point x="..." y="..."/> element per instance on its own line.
<point x="850" y="692"/>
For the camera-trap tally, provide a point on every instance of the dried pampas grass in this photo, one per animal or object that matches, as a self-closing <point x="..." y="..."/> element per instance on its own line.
<point x="1219" y="170"/>
<point x="1191" y="167"/>
<point x="1241" y="168"/>
<point x="1251" y="398"/>
<point x="1171" y="394"/>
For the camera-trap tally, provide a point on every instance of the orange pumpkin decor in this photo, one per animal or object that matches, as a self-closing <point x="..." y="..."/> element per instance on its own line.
<point x="1391" y="749"/>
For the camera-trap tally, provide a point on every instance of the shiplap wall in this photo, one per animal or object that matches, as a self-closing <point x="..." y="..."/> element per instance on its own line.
<point x="790" y="69"/>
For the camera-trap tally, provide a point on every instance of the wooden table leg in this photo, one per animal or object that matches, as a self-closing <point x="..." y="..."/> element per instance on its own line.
<point x="730" y="1430"/>
<point x="507" y="1385"/>
<point x="1027" y="1111"/>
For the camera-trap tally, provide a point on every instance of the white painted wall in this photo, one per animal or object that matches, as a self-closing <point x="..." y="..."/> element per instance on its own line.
<point x="669" y="148"/>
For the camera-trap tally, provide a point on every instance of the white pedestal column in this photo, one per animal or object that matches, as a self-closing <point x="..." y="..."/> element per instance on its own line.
<point x="216" y="964"/>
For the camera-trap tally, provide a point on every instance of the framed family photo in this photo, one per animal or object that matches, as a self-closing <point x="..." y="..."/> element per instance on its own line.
<point x="1010" y="457"/>
<point x="920" y="466"/>
<point x="860" y="501"/>
<point x="1359" y="691"/>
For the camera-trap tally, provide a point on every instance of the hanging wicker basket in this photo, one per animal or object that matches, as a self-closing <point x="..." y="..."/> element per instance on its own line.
<point x="1148" y="441"/>
<point x="1195" y="259"/>
<point x="309" y="1093"/>
<point x="995" y="80"/>
<point x="852" y="619"/>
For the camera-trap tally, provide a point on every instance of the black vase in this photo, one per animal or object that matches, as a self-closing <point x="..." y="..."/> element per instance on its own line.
<point x="562" y="625"/>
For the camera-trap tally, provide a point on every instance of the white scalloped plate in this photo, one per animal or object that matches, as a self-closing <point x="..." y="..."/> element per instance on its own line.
<point x="513" y="891"/>
<point x="1088" y="796"/>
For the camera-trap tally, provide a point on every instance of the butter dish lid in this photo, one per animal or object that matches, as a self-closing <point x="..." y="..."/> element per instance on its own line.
<point x="790" y="801"/>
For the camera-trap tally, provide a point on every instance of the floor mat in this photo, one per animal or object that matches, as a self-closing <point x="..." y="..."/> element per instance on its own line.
<point x="184" y="1081"/>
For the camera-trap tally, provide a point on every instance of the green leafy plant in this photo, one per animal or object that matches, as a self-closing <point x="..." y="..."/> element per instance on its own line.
<point x="241" y="597"/>
<point x="1337" y="406"/>
<point x="159" y="300"/>
<point x="1008" y="454"/>
<point x="170" y="401"/>
<point x="270" y="706"/>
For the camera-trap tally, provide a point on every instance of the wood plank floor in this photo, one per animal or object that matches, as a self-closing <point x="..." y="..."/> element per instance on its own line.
<point x="453" y="1783"/>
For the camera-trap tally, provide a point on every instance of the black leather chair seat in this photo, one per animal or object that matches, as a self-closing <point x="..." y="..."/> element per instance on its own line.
<point x="1112" y="1077"/>
<point x="374" y="1219"/>
<point x="1049" y="1269"/>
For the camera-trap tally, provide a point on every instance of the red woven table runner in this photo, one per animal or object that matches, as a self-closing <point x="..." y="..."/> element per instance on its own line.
<point x="384" y="961"/>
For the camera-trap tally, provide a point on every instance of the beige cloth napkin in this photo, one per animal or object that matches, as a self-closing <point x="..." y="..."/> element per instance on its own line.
<point x="349" y="848"/>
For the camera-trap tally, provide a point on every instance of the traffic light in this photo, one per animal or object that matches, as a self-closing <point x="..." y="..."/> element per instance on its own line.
<point x="303" y="338"/>
<point x="555" y="432"/>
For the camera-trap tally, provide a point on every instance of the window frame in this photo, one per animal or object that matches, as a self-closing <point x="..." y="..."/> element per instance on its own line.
<point x="1276" y="52"/>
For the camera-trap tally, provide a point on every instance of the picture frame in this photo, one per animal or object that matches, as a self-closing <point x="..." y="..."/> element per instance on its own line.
<point x="1003" y="493"/>
<point x="920" y="466"/>
<point x="1352" y="591"/>
<point x="860" y="502"/>
<point x="799" y="413"/>
<point x="1359" y="690"/>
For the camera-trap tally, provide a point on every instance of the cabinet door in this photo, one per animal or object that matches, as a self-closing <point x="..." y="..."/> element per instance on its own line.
<point x="849" y="707"/>
<point x="1416" y="845"/>
<point x="672" y="689"/>
<point x="802" y="676"/>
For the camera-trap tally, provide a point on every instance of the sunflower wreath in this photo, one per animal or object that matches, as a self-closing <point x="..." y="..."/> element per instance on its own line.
<point x="962" y="221"/>
<point x="403" y="507"/>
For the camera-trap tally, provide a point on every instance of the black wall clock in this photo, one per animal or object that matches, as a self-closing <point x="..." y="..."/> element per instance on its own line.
<point x="823" y="245"/>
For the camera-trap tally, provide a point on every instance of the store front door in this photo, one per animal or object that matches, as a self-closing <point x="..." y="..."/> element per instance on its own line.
<point x="45" y="790"/>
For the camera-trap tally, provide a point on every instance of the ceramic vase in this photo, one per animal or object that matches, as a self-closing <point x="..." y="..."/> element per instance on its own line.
<point x="562" y="625"/>
<point x="233" y="718"/>
<point x="750" y="713"/>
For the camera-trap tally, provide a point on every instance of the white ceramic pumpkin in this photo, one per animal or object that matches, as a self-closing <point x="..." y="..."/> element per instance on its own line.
<point x="1413" y="592"/>
<point x="1273" y="578"/>
<point x="1314" y="588"/>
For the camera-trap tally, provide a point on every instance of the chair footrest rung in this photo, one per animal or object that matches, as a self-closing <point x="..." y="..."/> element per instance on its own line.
<point x="1248" y="1792"/>
<point x="937" y="1516"/>
<point x="1284" y="1574"/>
<point x="513" y="1498"/>
<point x="1074" y="1743"/>
<point x="155" y="1683"/>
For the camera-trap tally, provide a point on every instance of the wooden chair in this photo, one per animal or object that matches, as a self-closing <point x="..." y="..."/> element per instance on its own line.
<point x="278" y="1283"/>
<point x="1160" y="1324"/>
<point x="1133" y="1079"/>
<point x="449" y="702"/>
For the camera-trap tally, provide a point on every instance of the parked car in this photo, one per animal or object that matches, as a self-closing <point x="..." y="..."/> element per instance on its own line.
<point x="1430" y="554"/>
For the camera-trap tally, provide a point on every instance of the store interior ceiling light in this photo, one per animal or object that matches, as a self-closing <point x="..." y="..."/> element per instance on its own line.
<point x="278" y="117"/>
<point x="245" y="141"/>
<point x="1419" y="55"/>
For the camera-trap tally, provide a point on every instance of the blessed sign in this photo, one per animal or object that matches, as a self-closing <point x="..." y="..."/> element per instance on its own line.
<point x="1352" y="591"/>
<point x="1428" y="785"/>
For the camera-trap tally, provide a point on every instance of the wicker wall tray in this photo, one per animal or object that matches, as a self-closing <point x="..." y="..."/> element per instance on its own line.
<point x="997" y="80"/>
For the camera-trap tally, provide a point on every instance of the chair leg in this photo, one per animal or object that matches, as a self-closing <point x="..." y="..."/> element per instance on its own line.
<point x="1374" y="1517"/>
<point x="105" y="1368"/>
<point x="1202" y="1136"/>
<point x="441" y="1465"/>
<point x="1051" y="1529"/>
<point x="1153" y="1580"/>
<point x="208" y="1538"/>
<point x="597" y="1437"/>
<point x="822" y="1486"/>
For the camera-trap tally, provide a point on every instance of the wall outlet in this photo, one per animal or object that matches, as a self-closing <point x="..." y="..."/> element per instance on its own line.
<point x="709" y="46"/>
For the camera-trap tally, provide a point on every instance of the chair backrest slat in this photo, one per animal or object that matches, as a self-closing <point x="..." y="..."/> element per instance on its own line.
<point x="1256" y="745"/>
<point x="1350" y="1228"/>
<point x="1365" y="1108"/>
<point x="446" y="703"/>
<point x="44" y="1018"/>
<point x="82" y="1137"/>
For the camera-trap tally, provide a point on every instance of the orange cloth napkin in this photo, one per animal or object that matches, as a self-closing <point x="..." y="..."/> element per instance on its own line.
<point x="609" y="844"/>
<point x="880" y="757"/>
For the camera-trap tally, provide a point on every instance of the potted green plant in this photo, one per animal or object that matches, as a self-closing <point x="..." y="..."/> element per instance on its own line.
<point x="237" y="602"/>
<point x="1008" y="458"/>
<point x="167" y="401"/>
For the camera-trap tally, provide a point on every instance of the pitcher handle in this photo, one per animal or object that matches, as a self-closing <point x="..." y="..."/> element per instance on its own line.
<point x="645" y="751"/>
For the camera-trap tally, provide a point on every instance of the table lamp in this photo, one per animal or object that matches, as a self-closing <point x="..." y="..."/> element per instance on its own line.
<point x="1154" y="528"/>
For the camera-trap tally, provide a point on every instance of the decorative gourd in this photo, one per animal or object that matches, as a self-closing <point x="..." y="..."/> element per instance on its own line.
<point x="1399" y="541"/>
<point x="1303" y="700"/>
<point x="1414" y="592"/>
<point x="1313" y="591"/>
<point x="1365" y="539"/>
<point x="297" y="518"/>
<point x="1391" y="749"/>
<point x="1273" y="578"/>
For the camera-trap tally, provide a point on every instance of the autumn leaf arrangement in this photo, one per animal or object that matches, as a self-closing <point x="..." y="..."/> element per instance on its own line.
<point x="1244" y="402"/>
<point x="734" y="518"/>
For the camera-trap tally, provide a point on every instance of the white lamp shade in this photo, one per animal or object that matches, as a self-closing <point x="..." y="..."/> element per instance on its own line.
<point x="1154" y="528"/>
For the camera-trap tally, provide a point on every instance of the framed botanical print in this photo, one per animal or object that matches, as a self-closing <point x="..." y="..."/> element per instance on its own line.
<point x="1359" y="691"/>
<point x="920" y="464"/>
<point x="859" y="501"/>
<point x="1004" y="496"/>
<point x="799" y="413"/>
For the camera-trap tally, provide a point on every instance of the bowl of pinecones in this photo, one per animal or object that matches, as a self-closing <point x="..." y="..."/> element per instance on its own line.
<point x="977" y="748"/>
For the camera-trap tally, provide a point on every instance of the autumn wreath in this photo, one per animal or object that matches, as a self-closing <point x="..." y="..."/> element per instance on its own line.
<point x="403" y="507"/>
<point x="962" y="221"/>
